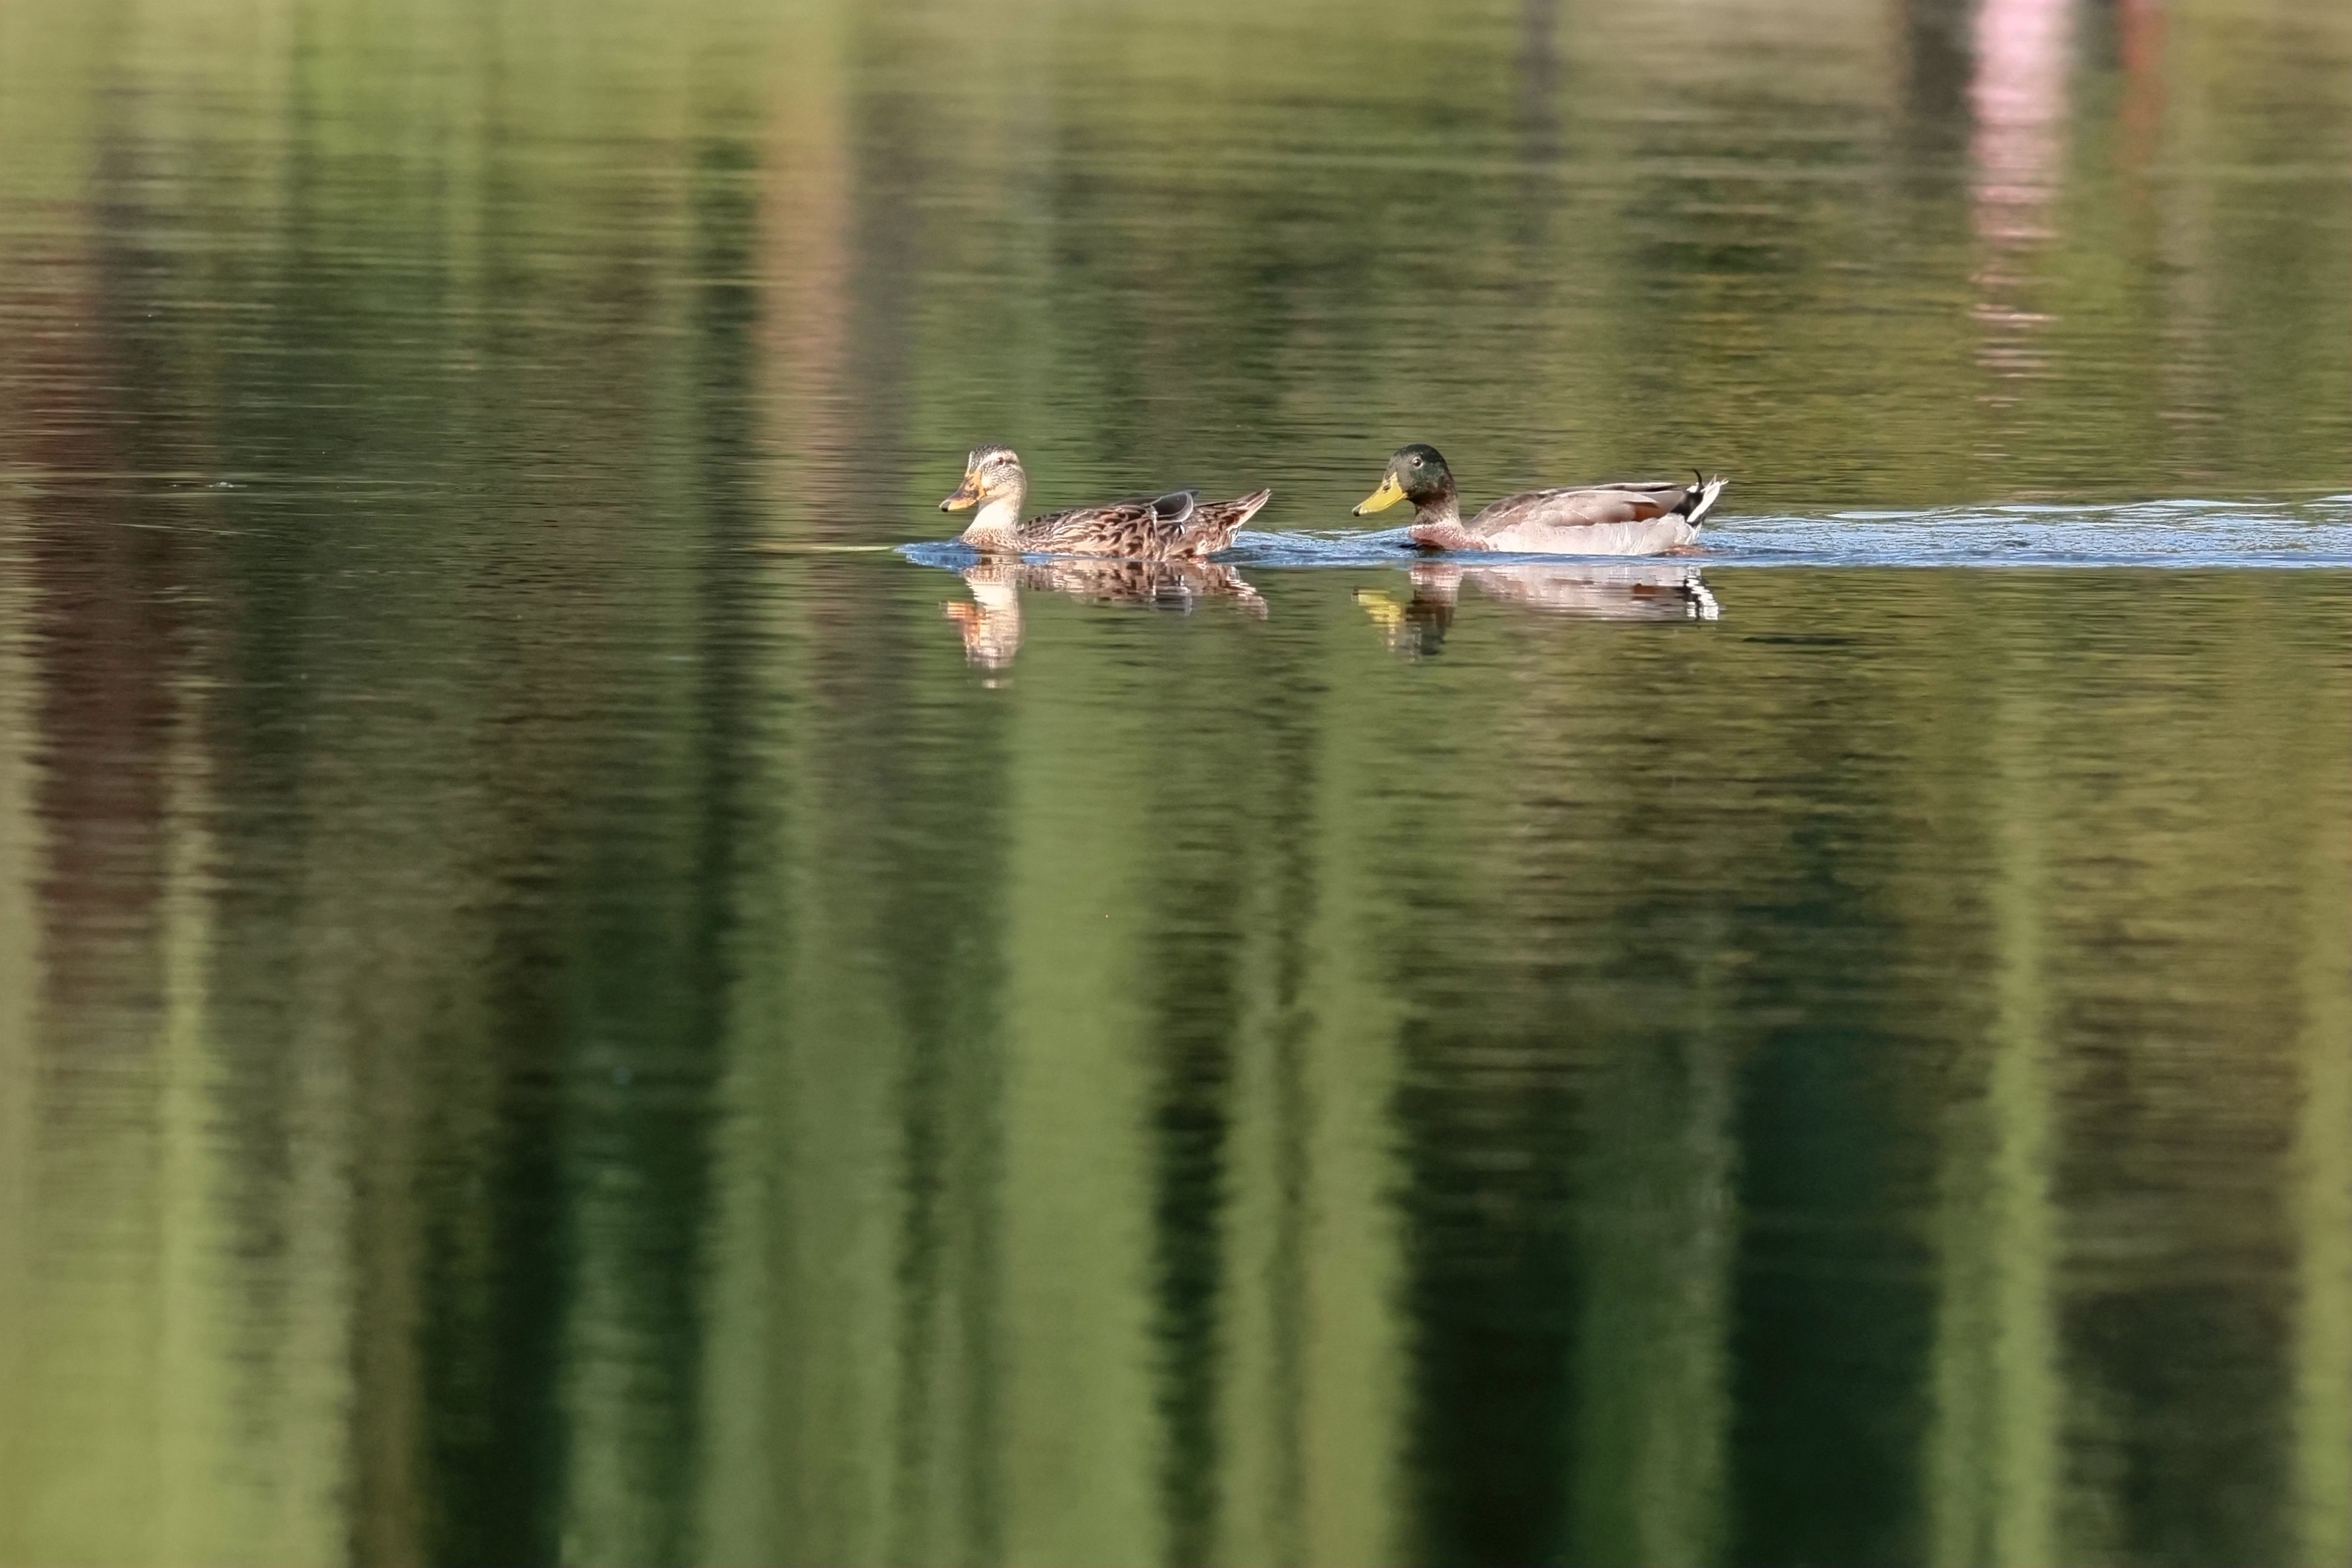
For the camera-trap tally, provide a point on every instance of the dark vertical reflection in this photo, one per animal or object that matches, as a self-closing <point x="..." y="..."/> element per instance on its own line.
<point x="669" y="1121"/>
<point x="2208" y="1347"/>
<point x="108" y="644"/>
<point x="1937" y="65"/>
<point x="1832" y="1319"/>
<point x="1291" y="827"/>
<point x="1488" y="1106"/>
<point x="1825" y="1443"/>
<point x="108" y="651"/>
<point x="1192" y="949"/>
<point x="1536" y="118"/>
<point x="498" y="1267"/>
<point x="501" y="1244"/>
<point x="941" y="915"/>
<point x="945" y="984"/>
<point x="934" y="803"/>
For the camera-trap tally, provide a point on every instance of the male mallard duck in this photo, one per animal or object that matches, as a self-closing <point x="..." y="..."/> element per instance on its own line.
<point x="1606" y="519"/>
<point x="1148" y="528"/>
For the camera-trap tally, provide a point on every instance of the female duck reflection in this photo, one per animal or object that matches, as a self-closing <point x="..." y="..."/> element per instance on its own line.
<point x="990" y="621"/>
<point x="1598" y="591"/>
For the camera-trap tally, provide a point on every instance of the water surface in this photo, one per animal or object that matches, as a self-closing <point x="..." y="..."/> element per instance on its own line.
<point x="573" y="985"/>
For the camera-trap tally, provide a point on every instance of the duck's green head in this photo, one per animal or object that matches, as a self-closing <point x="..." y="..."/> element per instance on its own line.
<point x="1416" y="474"/>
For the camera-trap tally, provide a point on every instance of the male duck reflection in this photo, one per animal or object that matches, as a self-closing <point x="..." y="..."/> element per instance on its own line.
<point x="990" y="624"/>
<point x="1594" y="591"/>
<point x="1603" y="520"/>
<point x="1175" y="526"/>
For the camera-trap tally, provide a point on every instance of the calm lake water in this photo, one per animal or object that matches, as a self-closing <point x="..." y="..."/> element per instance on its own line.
<point x="564" y="995"/>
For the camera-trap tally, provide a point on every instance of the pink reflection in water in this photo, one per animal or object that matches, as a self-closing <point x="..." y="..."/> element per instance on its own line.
<point x="2023" y="50"/>
<point x="2024" y="57"/>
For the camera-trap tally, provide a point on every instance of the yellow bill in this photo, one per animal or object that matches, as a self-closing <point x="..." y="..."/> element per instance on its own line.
<point x="1388" y="495"/>
<point x="966" y="494"/>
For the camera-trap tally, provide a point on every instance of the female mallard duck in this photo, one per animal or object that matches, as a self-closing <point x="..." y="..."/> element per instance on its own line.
<point x="1172" y="527"/>
<point x="1606" y="519"/>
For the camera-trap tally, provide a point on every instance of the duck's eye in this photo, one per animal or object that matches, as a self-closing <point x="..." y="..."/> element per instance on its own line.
<point x="1416" y="462"/>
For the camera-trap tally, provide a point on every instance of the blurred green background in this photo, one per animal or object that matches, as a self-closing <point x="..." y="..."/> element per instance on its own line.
<point x="542" y="1018"/>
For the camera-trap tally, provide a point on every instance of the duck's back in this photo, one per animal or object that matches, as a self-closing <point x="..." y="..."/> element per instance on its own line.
<point x="1581" y="507"/>
<point x="1140" y="527"/>
<point x="1596" y="519"/>
<point x="1177" y="525"/>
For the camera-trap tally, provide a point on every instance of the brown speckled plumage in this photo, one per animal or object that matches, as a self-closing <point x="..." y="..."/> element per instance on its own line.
<point x="1176" y="526"/>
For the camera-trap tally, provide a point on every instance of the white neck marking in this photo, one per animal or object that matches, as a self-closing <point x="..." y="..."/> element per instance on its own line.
<point x="996" y="519"/>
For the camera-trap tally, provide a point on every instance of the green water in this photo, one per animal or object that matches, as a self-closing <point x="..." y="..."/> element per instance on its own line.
<point x="547" y="1011"/>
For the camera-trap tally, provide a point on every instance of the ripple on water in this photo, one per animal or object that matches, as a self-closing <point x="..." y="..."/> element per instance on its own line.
<point x="2161" y="533"/>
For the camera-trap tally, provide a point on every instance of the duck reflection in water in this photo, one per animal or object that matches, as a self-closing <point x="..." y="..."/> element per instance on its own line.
<point x="990" y="621"/>
<point x="1596" y="590"/>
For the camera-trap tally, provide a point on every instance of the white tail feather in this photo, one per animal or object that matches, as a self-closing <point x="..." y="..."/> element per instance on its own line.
<point x="1707" y="490"/>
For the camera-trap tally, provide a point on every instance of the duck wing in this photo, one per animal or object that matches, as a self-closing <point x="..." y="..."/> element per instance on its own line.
<point x="1585" y="507"/>
<point x="1145" y="528"/>
<point x="1134" y="529"/>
